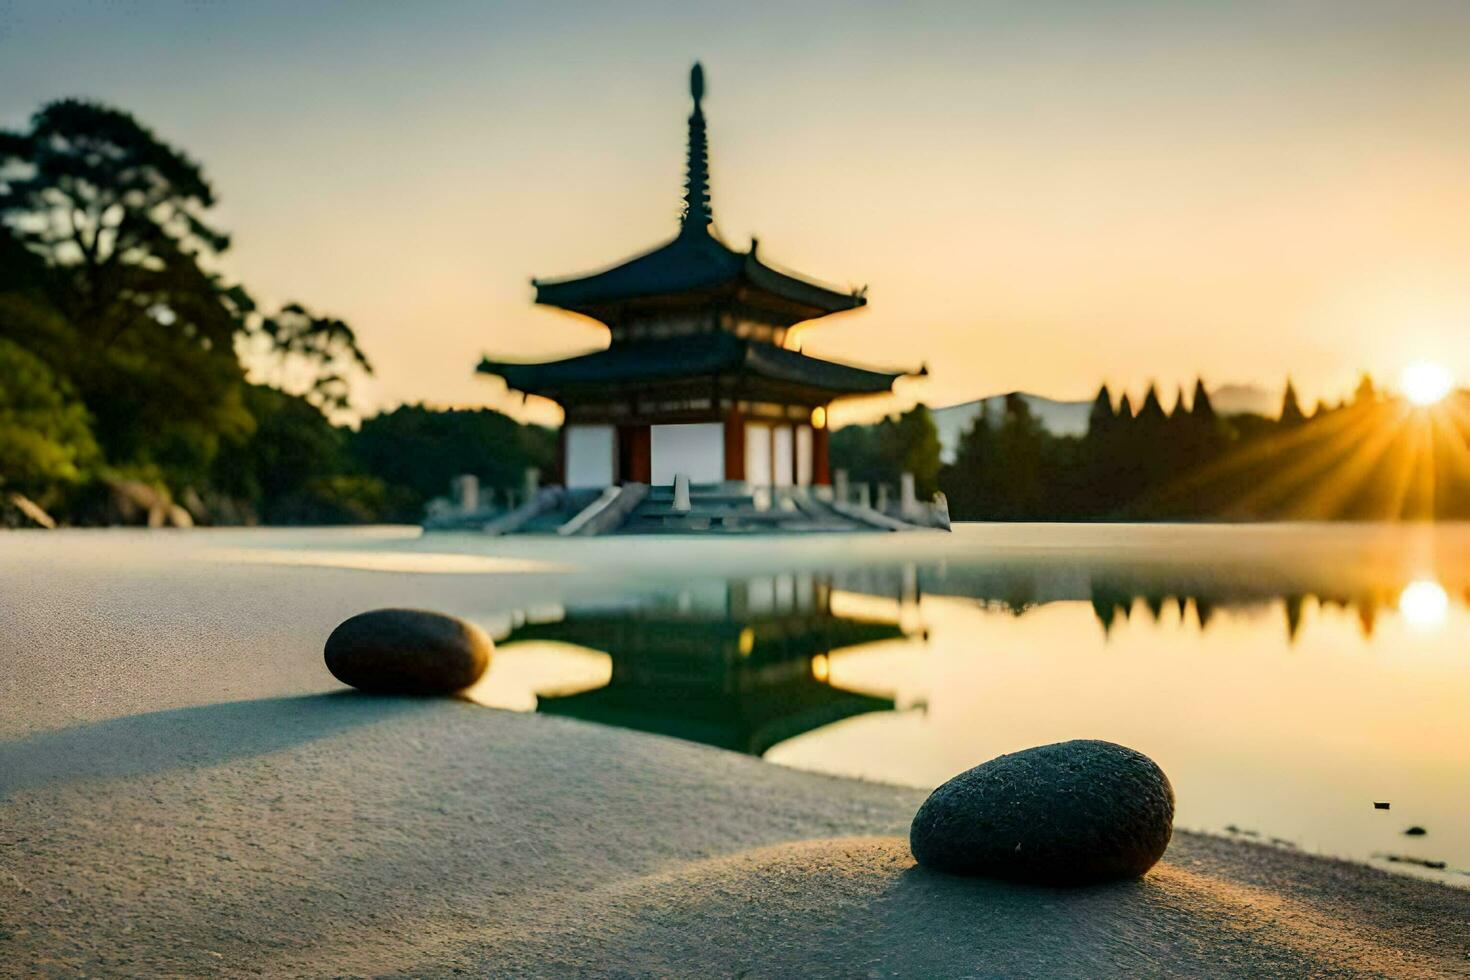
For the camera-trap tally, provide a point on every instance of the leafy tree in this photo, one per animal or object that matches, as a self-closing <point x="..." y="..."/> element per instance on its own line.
<point x="911" y="445"/>
<point x="292" y="444"/>
<point x="420" y="450"/>
<point x="45" y="438"/>
<point x="119" y="222"/>
<point x="325" y="345"/>
<point x="117" y="218"/>
<point x="881" y="453"/>
<point x="854" y="448"/>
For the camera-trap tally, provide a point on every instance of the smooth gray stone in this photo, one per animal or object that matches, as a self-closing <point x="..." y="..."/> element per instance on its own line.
<point x="1062" y="814"/>
<point x="407" y="651"/>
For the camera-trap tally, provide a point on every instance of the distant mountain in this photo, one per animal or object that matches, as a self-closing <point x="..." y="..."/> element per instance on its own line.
<point x="1058" y="418"/>
<point x="1070" y="418"/>
<point x="1246" y="399"/>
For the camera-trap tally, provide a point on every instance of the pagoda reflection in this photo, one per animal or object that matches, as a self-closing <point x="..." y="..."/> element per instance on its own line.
<point x="741" y="665"/>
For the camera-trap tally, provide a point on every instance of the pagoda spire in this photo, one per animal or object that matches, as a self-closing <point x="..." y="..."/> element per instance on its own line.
<point x="697" y="212"/>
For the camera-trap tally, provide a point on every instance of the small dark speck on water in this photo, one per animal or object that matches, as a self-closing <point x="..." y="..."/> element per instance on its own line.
<point x="1415" y="831"/>
<point x="1380" y="806"/>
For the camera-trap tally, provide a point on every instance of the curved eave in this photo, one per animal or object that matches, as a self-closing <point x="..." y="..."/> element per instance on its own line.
<point x="697" y="263"/>
<point x="749" y="722"/>
<point x="798" y="289"/>
<point x="691" y="356"/>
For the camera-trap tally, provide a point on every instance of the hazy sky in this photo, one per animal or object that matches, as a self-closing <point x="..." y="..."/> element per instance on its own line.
<point x="1041" y="195"/>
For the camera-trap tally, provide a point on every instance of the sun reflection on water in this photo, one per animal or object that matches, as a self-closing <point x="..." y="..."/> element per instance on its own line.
<point x="1424" y="605"/>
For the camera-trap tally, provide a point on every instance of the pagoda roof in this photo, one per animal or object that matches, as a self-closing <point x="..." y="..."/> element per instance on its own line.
<point x="694" y="641"/>
<point x="714" y="352"/>
<point x="694" y="261"/>
<point x="743" y="721"/>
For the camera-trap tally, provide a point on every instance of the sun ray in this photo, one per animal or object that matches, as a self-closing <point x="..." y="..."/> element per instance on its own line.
<point x="1241" y="461"/>
<point x="1406" y="462"/>
<point x="1306" y="476"/>
<point x="1328" y="497"/>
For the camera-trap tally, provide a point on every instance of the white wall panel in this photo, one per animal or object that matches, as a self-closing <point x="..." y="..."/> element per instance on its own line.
<point x="758" y="454"/>
<point x="804" y="455"/>
<point x="781" y="468"/>
<point x="697" y="450"/>
<point x="591" y="451"/>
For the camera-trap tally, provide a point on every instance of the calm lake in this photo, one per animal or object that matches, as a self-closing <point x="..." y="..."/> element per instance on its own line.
<point x="1287" y="682"/>
<point x="1303" y="686"/>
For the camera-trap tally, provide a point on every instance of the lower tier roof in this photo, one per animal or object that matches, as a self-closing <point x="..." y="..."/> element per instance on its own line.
<point x="694" y="355"/>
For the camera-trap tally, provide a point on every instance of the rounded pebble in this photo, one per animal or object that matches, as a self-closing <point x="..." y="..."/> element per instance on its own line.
<point x="407" y="651"/>
<point x="1063" y="814"/>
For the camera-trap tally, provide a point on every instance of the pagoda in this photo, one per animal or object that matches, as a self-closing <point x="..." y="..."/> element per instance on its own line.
<point x="742" y="667"/>
<point x="699" y="377"/>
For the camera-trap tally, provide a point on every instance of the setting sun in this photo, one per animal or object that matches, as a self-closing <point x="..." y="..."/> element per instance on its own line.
<point x="1425" y="382"/>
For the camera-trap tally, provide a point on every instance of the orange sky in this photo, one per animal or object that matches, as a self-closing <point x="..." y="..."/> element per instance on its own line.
<point x="1040" y="196"/>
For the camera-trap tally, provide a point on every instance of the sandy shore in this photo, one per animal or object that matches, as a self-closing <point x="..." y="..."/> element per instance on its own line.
<point x="180" y="793"/>
<point x="337" y="834"/>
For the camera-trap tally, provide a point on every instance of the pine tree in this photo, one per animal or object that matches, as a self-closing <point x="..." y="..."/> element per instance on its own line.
<point x="970" y="481"/>
<point x="1100" y="421"/>
<point x="1181" y="411"/>
<point x="1152" y="412"/>
<point x="1291" y="409"/>
<point x="1202" y="406"/>
<point x="1020" y="443"/>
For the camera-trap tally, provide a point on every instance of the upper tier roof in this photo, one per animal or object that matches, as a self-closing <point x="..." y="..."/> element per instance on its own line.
<point x="696" y="262"/>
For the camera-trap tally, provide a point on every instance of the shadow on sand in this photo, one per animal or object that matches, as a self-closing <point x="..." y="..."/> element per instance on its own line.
<point x="187" y="737"/>
<point x="859" y="906"/>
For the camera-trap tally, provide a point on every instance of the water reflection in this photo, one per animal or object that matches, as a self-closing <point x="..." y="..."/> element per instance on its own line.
<point x="741" y="665"/>
<point x="1424" y="604"/>
<point x="1159" y="594"/>
<point x="1283" y="701"/>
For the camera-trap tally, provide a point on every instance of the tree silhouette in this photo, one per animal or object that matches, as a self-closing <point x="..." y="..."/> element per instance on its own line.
<point x="1202" y="407"/>
<point x="1152" y="411"/>
<point x="1291" y="409"/>
<point x="1100" y="420"/>
<point x="971" y="481"/>
<point x="120" y="222"/>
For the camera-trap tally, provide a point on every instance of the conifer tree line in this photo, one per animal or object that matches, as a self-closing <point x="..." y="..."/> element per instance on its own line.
<point x="124" y="389"/>
<point x="1372" y="456"/>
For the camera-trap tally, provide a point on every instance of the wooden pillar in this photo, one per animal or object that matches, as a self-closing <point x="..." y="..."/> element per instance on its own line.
<point x="734" y="445"/>
<point x="642" y="455"/>
<point x="559" y="466"/>
<point x="795" y="454"/>
<point x="635" y="457"/>
<point x="821" y="469"/>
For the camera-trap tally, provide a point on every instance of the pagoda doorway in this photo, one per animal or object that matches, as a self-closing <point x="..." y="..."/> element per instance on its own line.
<point x="634" y="454"/>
